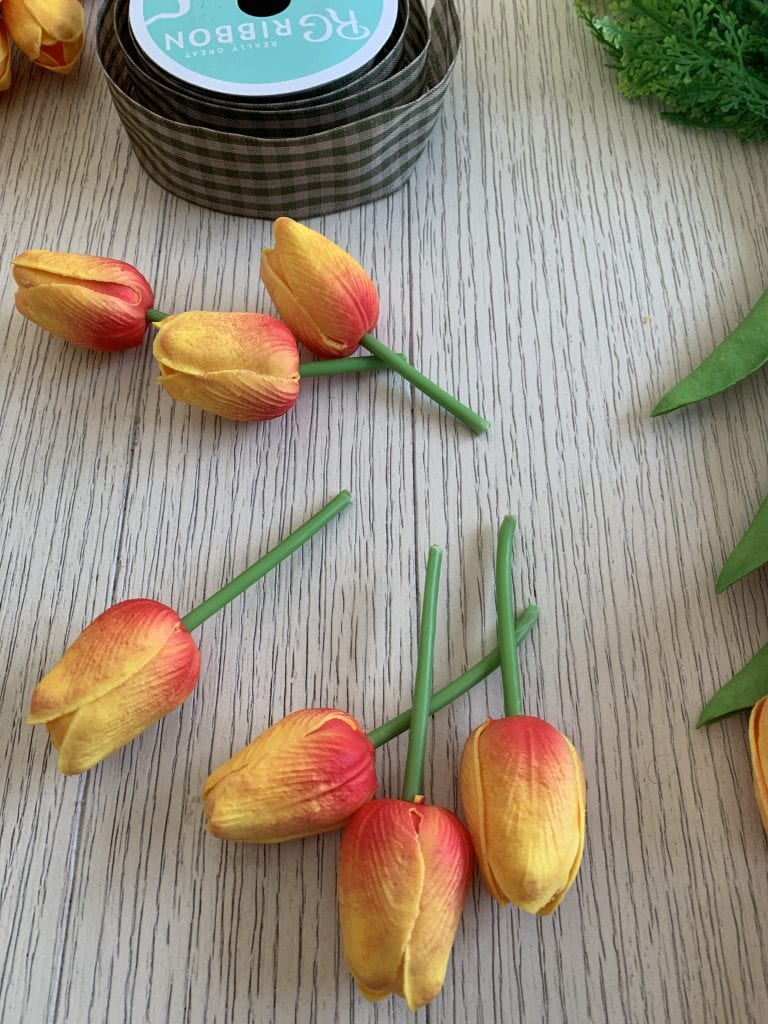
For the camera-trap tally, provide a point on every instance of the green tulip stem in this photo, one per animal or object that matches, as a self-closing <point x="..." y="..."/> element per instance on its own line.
<point x="266" y="563"/>
<point x="413" y="781"/>
<point x="452" y="691"/>
<point x="352" y="364"/>
<point x="425" y="385"/>
<point x="154" y="316"/>
<point x="505" y="614"/>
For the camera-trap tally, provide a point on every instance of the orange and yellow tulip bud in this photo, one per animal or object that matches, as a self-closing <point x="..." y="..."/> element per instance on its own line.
<point x="523" y="794"/>
<point x="324" y="296"/>
<point x="49" y="32"/>
<point x="92" y="301"/>
<point x="129" y="668"/>
<point x="306" y="774"/>
<point x="404" y="873"/>
<point x="6" y="57"/>
<point x="244" y="366"/>
<point x="758" y="747"/>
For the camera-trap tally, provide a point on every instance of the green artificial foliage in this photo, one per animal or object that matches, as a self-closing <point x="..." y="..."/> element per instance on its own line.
<point x="740" y="693"/>
<point x="706" y="61"/>
<point x="742" y="353"/>
<point x="749" y="554"/>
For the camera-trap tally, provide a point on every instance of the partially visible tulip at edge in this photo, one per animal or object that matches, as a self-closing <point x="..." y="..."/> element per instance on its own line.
<point x="48" y="32"/>
<point x="524" y="799"/>
<point x="91" y="301"/>
<point x="6" y="57"/>
<point x="321" y="292"/>
<point x="758" y="747"/>
<point x="132" y="665"/>
<point x="305" y="775"/>
<point x="405" y="869"/>
<point x="244" y="366"/>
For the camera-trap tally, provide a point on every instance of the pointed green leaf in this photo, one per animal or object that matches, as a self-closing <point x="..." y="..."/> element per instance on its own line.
<point x="743" y="691"/>
<point x="743" y="352"/>
<point x="749" y="554"/>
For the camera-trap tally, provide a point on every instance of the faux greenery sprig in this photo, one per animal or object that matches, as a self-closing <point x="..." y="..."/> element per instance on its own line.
<point x="706" y="61"/>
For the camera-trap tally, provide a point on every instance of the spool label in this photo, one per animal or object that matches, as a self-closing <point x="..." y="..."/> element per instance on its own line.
<point x="261" y="47"/>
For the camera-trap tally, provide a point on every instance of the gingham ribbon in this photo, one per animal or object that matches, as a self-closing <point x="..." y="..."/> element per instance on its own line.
<point x="348" y="145"/>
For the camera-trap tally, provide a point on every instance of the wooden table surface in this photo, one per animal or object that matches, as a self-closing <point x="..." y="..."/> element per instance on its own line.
<point x="559" y="258"/>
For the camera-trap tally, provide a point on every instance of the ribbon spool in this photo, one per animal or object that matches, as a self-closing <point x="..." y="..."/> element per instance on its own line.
<point x="325" y="148"/>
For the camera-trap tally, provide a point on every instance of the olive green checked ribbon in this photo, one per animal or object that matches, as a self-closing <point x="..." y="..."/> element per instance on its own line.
<point x="354" y="142"/>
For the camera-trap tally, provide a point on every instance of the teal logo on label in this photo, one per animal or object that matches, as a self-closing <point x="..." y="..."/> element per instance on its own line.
<point x="261" y="47"/>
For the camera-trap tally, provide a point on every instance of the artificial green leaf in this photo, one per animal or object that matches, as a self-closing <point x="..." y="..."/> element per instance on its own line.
<point x="743" y="691"/>
<point x="749" y="554"/>
<point x="743" y="352"/>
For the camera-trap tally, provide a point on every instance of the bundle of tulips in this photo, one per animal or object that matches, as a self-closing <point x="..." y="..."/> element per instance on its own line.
<point x="244" y="366"/>
<point x="48" y="32"/>
<point x="405" y="866"/>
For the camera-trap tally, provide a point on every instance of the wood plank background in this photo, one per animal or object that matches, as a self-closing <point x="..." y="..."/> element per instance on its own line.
<point x="559" y="258"/>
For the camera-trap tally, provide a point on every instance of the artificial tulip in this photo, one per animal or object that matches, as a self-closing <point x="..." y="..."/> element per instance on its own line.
<point x="6" y="57"/>
<point x="308" y="772"/>
<point x="91" y="301"/>
<point x="405" y="869"/>
<point x="136" y="662"/>
<point x="133" y="664"/>
<point x="305" y="775"/>
<point x="331" y="305"/>
<point x="522" y="784"/>
<point x="523" y="794"/>
<point x="49" y="32"/>
<point x="244" y="366"/>
<point x="758" y="747"/>
<point x="324" y="296"/>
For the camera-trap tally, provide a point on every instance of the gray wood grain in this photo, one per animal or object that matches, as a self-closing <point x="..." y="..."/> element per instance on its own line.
<point x="559" y="259"/>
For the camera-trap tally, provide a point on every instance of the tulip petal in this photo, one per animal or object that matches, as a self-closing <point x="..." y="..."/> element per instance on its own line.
<point x="758" y="747"/>
<point x="473" y="801"/>
<point x="299" y="321"/>
<point x="381" y="879"/>
<point x="248" y="397"/>
<point x="82" y="316"/>
<point x="6" y="60"/>
<point x="119" y="644"/>
<point x="448" y="853"/>
<point x="305" y="775"/>
<point x="99" y="273"/>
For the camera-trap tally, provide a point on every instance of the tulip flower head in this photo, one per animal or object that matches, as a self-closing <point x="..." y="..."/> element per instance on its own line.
<point x="405" y="869"/>
<point x="758" y="747"/>
<point x="321" y="292"/>
<point x="523" y="794"/>
<point x="48" y="32"/>
<point x="6" y="57"/>
<point x="131" y="666"/>
<point x="91" y="301"/>
<point x="305" y="775"/>
<point x="244" y="366"/>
